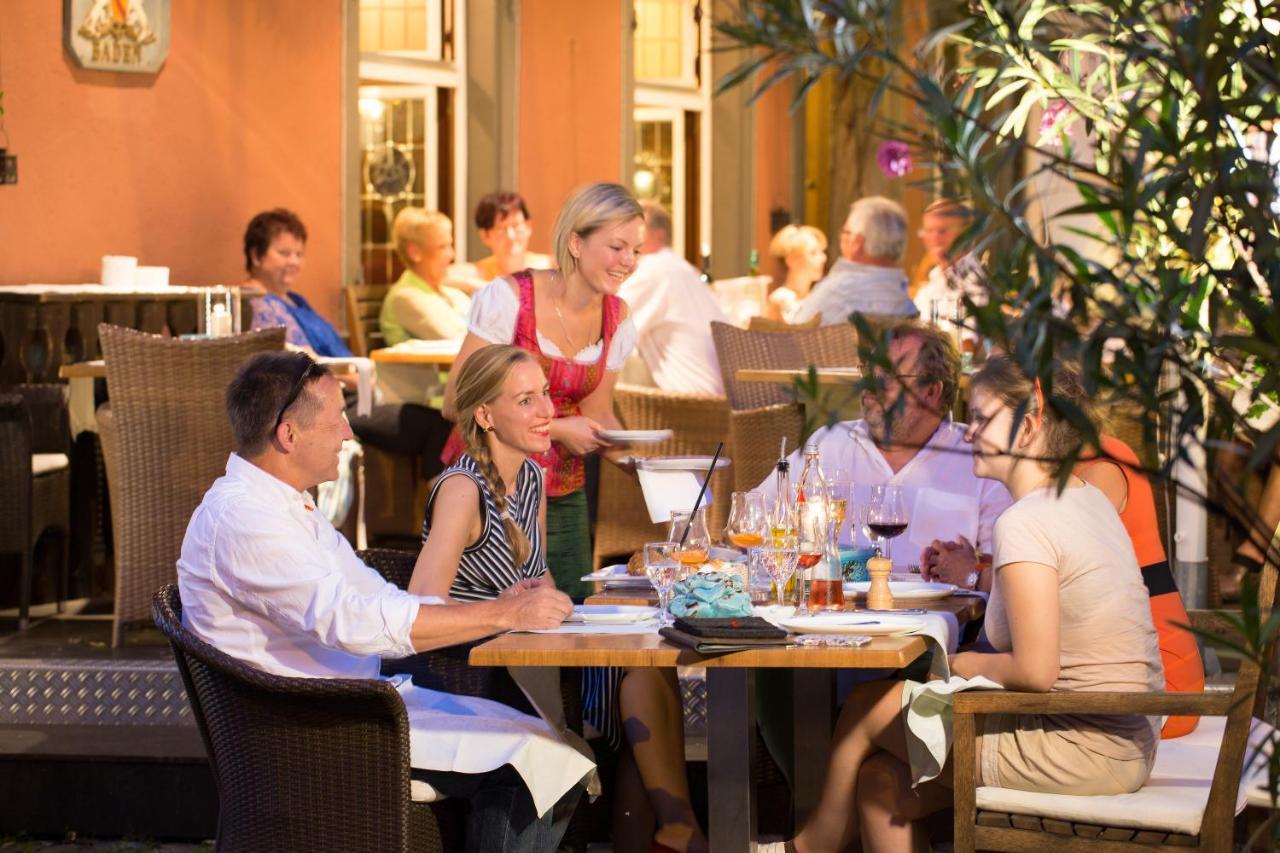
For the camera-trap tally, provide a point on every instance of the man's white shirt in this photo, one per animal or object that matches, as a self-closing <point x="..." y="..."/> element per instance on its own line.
<point x="942" y="497"/>
<point x="673" y="311"/>
<point x="265" y="578"/>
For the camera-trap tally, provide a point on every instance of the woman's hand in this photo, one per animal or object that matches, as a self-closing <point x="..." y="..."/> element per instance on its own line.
<point x="579" y="434"/>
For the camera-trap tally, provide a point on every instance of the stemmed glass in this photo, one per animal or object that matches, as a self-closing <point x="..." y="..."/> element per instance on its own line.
<point x="661" y="566"/>
<point x="839" y="493"/>
<point x="748" y="522"/>
<point x="780" y="563"/>
<point x="886" y="515"/>
<point x="692" y="547"/>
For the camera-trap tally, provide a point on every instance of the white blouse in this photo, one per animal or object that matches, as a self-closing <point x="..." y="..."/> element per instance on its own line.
<point x="495" y="309"/>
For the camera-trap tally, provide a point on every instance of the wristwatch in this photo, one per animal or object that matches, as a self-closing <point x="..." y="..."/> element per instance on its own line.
<point x="971" y="581"/>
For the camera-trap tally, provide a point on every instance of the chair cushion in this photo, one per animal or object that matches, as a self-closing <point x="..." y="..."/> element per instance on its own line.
<point x="422" y="792"/>
<point x="47" y="463"/>
<point x="1173" y="800"/>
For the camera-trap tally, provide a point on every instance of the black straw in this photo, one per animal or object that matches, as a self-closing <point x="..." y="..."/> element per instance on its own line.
<point x="701" y="493"/>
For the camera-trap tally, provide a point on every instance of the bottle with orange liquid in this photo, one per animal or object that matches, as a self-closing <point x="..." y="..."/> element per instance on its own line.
<point x="826" y="588"/>
<point x="811" y="513"/>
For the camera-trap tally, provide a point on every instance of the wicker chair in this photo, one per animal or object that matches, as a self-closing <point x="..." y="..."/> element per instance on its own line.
<point x="754" y="437"/>
<point x="699" y="423"/>
<point x="165" y="439"/>
<point x="738" y="348"/>
<point x="303" y="763"/>
<point x="765" y="324"/>
<point x="364" y="307"/>
<point x="35" y="480"/>
<point x="984" y="828"/>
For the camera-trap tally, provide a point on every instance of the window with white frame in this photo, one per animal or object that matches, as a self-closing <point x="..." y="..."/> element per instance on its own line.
<point x="671" y="118"/>
<point x="412" y="120"/>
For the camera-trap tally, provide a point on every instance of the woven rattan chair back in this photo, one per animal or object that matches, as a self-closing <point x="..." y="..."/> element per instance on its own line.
<point x="299" y="763"/>
<point x="170" y="441"/>
<point x="737" y="349"/>
<point x="698" y="424"/>
<point x="829" y="346"/>
<point x="754" y="438"/>
<point x="364" y="307"/>
<point x="766" y="324"/>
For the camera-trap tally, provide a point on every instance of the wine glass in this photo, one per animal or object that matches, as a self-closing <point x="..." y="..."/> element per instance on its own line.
<point x="747" y="521"/>
<point x="886" y="515"/>
<point x="839" y="493"/>
<point x="661" y="566"/>
<point x="689" y="532"/>
<point x="780" y="563"/>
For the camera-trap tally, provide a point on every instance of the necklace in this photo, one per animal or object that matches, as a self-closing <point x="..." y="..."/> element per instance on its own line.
<point x="555" y="303"/>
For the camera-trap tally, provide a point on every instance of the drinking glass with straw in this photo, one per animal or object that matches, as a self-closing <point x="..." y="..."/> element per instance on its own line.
<point x="690" y="530"/>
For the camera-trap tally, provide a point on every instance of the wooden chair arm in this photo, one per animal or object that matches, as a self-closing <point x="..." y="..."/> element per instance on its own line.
<point x="979" y="702"/>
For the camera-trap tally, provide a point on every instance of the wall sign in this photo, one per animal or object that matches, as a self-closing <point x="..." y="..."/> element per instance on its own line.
<point x="117" y="35"/>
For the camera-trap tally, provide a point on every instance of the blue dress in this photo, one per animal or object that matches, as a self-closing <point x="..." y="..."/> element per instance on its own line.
<point x="303" y="326"/>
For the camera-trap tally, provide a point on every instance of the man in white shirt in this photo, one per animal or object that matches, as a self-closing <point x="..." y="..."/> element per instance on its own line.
<point x="265" y="578"/>
<point x="868" y="276"/>
<point x="673" y="311"/>
<point x="906" y="437"/>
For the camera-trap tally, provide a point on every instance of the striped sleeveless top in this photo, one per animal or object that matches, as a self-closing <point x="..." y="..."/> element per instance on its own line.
<point x="486" y="566"/>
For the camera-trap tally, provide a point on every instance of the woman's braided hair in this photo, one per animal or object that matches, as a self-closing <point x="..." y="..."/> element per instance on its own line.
<point x="479" y="382"/>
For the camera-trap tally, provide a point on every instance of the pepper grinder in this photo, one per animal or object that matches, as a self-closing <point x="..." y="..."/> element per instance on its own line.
<point x="878" y="596"/>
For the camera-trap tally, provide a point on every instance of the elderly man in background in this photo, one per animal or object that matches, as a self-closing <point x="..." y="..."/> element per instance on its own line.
<point x="422" y="304"/>
<point x="266" y="579"/>
<point x="868" y="276"/>
<point x="673" y="311"/>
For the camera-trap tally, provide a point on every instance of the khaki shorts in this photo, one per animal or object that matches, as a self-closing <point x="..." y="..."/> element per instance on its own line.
<point x="1018" y="752"/>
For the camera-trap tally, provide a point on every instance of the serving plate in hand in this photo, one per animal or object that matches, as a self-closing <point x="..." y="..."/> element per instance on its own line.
<point x="611" y="614"/>
<point x="871" y="624"/>
<point x="635" y="436"/>
<point x="906" y="590"/>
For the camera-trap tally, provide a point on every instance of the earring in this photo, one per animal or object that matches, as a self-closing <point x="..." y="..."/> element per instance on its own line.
<point x="487" y="429"/>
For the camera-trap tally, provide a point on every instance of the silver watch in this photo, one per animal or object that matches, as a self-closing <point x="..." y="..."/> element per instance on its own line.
<point x="971" y="581"/>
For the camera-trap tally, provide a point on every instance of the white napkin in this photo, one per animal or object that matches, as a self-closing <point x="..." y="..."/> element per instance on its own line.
<point x="927" y="718"/>
<point x="649" y="626"/>
<point x="464" y="734"/>
<point x="366" y="378"/>
<point x="667" y="491"/>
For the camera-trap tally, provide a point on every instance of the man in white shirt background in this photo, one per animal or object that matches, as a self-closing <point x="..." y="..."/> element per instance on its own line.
<point x="906" y="437"/>
<point x="672" y="310"/>
<point x="954" y="276"/>
<point x="868" y="276"/>
<point x="265" y="578"/>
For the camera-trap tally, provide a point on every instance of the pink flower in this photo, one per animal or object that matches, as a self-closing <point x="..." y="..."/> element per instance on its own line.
<point x="894" y="158"/>
<point x="1052" y="121"/>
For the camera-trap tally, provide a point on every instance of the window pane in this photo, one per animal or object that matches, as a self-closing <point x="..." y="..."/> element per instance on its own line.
<point x="398" y="25"/>
<point x="398" y="162"/>
<point x="659" y="39"/>
<point x="654" y="176"/>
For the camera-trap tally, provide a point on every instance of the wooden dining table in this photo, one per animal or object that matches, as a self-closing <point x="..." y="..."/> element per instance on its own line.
<point x="730" y="703"/>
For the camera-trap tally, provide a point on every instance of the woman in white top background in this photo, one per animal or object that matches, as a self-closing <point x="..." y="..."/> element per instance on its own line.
<point x="803" y="250"/>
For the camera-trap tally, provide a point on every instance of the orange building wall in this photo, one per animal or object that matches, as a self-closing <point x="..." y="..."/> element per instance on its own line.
<point x="570" y="103"/>
<point x="773" y="122"/>
<point x="245" y="115"/>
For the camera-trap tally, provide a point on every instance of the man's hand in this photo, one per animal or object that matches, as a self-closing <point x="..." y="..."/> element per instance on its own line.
<point x="535" y="608"/>
<point x="949" y="562"/>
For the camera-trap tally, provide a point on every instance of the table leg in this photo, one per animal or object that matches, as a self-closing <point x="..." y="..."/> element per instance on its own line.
<point x="812" y="695"/>
<point x="731" y="732"/>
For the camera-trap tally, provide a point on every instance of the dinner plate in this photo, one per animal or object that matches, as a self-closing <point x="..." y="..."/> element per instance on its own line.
<point x="681" y="463"/>
<point x="611" y="614"/>
<point x="870" y="624"/>
<point x="635" y="436"/>
<point x="906" y="590"/>
<point x="617" y="576"/>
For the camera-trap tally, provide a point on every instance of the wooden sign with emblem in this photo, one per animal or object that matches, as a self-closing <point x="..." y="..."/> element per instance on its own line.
<point x="117" y="35"/>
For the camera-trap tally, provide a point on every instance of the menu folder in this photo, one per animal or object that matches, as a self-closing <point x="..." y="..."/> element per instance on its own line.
<point x="710" y="636"/>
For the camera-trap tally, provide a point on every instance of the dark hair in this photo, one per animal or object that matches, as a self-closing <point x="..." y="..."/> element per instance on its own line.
<point x="1001" y="376"/>
<point x="937" y="361"/>
<point x="266" y="227"/>
<point x="259" y="395"/>
<point x="497" y="206"/>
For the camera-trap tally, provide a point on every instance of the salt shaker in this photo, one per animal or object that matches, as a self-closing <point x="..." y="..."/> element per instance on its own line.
<point x="878" y="596"/>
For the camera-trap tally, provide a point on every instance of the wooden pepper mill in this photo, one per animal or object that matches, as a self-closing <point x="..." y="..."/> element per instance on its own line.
<point x="878" y="596"/>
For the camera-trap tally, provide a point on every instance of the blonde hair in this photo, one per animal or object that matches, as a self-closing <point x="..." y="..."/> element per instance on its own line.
<point x="479" y="382"/>
<point x="882" y="225"/>
<point x="950" y="208"/>
<point x="589" y="209"/>
<point x="789" y="238"/>
<point x="411" y="226"/>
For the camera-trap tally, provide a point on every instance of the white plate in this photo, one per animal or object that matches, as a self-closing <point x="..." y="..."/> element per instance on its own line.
<point x="617" y="576"/>
<point x="697" y="464"/>
<point x="906" y="590"/>
<point x="871" y="624"/>
<point x="635" y="436"/>
<point x="612" y="614"/>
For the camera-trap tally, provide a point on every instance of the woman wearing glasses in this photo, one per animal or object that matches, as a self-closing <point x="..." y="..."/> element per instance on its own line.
<point x="503" y="221"/>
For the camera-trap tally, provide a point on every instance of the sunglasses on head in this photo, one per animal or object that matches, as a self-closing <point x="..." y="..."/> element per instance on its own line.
<point x="312" y="369"/>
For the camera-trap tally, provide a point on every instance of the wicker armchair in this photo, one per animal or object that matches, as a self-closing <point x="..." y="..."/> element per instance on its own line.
<point x="302" y="763"/>
<point x="699" y="423"/>
<point x="35" y="481"/>
<point x="364" y="307"/>
<point x="765" y="324"/>
<point x="754" y="437"/>
<point x="165" y="440"/>
<point x="738" y="348"/>
<point x="1077" y="823"/>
